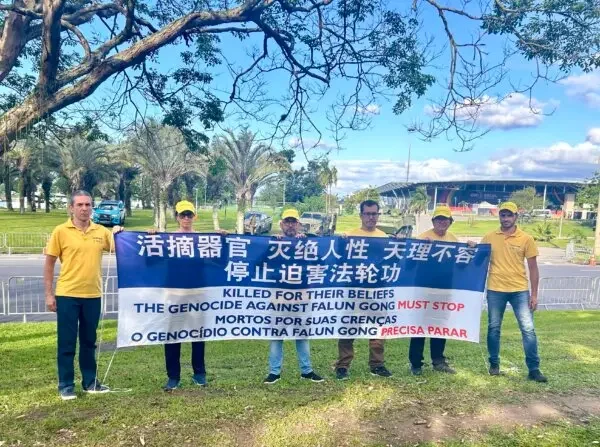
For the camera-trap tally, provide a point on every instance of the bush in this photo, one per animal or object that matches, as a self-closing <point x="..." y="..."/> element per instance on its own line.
<point x="544" y="232"/>
<point x="577" y="236"/>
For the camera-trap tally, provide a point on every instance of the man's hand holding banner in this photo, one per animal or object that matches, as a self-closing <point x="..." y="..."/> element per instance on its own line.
<point x="192" y="287"/>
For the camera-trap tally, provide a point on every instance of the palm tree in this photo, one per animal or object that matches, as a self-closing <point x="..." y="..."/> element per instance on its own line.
<point x="22" y="155"/>
<point x="249" y="166"/>
<point x="83" y="163"/>
<point x="328" y="177"/>
<point x="164" y="156"/>
<point x="419" y="201"/>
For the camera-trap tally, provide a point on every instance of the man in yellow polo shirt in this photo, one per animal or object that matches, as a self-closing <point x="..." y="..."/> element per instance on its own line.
<point x="441" y="219"/>
<point x="369" y="215"/>
<point x="507" y="283"/>
<point x="78" y="244"/>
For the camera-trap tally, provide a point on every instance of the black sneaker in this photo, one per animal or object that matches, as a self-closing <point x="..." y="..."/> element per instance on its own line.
<point x="67" y="393"/>
<point x="272" y="378"/>
<point x="443" y="367"/>
<point x="341" y="374"/>
<point x="537" y="376"/>
<point x="313" y="377"/>
<point x="96" y="388"/>
<point x="494" y="370"/>
<point x="416" y="370"/>
<point x="381" y="371"/>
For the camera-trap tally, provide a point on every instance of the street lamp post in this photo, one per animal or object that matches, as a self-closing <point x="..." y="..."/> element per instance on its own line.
<point x="205" y="190"/>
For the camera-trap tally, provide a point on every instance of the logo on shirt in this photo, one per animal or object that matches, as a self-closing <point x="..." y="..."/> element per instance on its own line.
<point x="99" y="240"/>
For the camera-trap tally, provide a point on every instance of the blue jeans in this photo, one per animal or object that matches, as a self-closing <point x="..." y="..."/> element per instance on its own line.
<point x="520" y="303"/>
<point x="276" y="356"/>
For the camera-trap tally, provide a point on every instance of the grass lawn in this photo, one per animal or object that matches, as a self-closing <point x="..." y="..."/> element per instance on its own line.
<point x="41" y="222"/>
<point x="468" y="409"/>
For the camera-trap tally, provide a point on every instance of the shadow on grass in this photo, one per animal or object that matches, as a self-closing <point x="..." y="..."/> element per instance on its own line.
<point x="237" y="409"/>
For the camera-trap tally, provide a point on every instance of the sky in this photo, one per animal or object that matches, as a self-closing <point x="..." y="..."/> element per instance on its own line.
<point x="560" y="142"/>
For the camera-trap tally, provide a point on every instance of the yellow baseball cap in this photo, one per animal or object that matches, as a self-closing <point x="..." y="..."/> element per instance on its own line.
<point x="184" y="205"/>
<point x="509" y="206"/>
<point x="442" y="211"/>
<point x="290" y="213"/>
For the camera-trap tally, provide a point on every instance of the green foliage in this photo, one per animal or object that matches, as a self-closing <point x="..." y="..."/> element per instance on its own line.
<point x="527" y="199"/>
<point x="313" y="203"/>
<point x="544" y="231"/>
<point x="353" y="201"/>
<point x="419" y="201"/>
<point x="589" y="193"/>
<point x="578" y="236"/>
<point x="555" y="32"/>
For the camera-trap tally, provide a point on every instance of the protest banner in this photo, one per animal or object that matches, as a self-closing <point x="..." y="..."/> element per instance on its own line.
<point x="192" y="287"/>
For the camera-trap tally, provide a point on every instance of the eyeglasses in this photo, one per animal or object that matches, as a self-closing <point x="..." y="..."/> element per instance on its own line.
<point x="187" y="214"/>
<point x="289" y="220"/>
<point x="371" y="214"/>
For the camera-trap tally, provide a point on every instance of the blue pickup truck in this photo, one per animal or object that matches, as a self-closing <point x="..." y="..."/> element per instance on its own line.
<point x="109" y="212"/>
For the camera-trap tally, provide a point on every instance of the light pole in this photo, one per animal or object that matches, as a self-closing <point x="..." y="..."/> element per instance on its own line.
<point x="205" y="190"/>
<point x="596" y="251"/>
<point x="196" y="201"/>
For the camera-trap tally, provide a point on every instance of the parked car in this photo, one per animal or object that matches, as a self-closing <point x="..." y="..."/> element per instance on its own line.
<point x="109" y="212"/>
<point x="257" y="223"/>
<point x="318" y="224"/>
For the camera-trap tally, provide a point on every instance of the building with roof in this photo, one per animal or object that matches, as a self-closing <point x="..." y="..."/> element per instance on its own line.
<point x="471" y="193"/>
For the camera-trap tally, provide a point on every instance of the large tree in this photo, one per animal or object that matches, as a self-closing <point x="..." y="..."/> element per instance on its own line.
<point x="55" y="53"/>
<point x="590" y="193"/>
<point x="249" y="166"/>
<point x="527" y="199"/>
<point x="75" y="46"/>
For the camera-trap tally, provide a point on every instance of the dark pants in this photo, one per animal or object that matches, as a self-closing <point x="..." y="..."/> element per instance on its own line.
<point x="73" y="316"/>
<point x="173" y="355"/>
<point x="417" y="345"/>
<point x="346" y="353"/>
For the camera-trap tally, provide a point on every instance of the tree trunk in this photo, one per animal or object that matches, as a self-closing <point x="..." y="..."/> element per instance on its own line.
<point x="8" y="187"/>
<point x="162" y="210"/>
<point x="242" y="199"/>
<point x="215" y="217"/>
<point x="47" y="187"/>
<point x="128" y="198"/>
<point x="121" y="188"/>
<point x="21" y="192"/>
<point x="239" y="227"/>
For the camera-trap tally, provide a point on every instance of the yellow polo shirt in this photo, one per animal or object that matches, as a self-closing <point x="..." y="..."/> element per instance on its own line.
<point x="80" y="255"/>
<point x="507" y="264"/>
<point x="430" y="234"/>
<point x="360" y="232"/>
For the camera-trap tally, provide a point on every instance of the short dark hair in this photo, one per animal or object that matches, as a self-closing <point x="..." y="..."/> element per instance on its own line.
<point x="366" y="203"/>
<point x="80" y="193"/>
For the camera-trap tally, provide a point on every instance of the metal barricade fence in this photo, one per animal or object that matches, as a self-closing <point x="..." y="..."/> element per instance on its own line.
<point x="594" y="296"/>
<point x="567" y="292"/>
<point x="24" y="242"/>
<point x="3" y="293"/>
<point x="110" y="295"/>
<point x="25" y="295"/>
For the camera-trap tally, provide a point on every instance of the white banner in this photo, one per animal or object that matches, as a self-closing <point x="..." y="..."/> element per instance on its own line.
<point x="149" y="315"/>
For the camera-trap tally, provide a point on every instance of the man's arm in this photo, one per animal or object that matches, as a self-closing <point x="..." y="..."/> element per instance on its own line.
<point x="534" y="277"/>
<point x="48" y="280"/>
